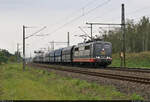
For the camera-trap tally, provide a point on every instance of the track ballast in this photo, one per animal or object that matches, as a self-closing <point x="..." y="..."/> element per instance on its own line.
<point x="136" y="79"/>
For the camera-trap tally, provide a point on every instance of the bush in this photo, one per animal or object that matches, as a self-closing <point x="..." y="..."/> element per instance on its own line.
<point x="3" y="59"/>
<point x="141" y="59"/>
<point x="12" y="59"/>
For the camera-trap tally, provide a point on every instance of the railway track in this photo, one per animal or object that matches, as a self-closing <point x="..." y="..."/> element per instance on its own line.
<point x="99" y="74"/>
<point x="141" y="70"/>
<point x="127" y="69"/>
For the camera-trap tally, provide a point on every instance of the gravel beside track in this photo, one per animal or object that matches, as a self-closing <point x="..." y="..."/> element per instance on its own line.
<point x="131" y="72"/>
<point x="123" y="86"/>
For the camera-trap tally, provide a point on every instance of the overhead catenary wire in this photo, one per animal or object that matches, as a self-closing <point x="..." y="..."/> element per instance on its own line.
<point x="127" y="14"/>
<point x="85" y="6"/>
<point x="140" y="17"/>
<point x="138" y="10"/>
<point x="136" y="18"/>
<point x="76" y="11"/>
<point x="100" y="5"/>
<point x="134" y="12"/>
<point x="78" y="17"/>
<point x="35" y="32"/>
<point x="84" y="32"/>
<point x="43" y="34"/>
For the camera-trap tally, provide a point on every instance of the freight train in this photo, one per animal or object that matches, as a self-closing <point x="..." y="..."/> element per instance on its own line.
<point x="95" y="53"/>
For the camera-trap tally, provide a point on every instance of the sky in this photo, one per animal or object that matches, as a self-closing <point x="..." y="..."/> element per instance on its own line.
<point x="60" y="17"/>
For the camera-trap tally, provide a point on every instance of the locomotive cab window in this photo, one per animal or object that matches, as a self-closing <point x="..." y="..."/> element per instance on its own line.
<point x="77" y="49"/>
<point x="107" y="45"/>
<point x="87" y="47"/>
<point x="98" y="45"/>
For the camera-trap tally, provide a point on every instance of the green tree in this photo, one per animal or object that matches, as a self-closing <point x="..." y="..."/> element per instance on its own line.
<point x="137" y="36"/>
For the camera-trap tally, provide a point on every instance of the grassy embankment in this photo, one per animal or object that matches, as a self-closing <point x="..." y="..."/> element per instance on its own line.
<point x="133" y="60"/>
<point x="39" y="84"/>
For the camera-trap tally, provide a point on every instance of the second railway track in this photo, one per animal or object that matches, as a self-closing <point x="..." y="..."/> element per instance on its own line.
<point x="141" y="70"/>
<point x="136" y="79"/>
<point x="127" y="69"/>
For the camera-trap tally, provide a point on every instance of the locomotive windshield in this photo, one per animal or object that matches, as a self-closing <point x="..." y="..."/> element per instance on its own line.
<point x="102" y="49"/>
<point x="97" y="49"/>
<point x="108" y="49"/>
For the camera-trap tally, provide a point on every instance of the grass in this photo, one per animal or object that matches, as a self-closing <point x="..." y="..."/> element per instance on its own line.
<point x="36" y="84"/>
<point x="133" y="60"/>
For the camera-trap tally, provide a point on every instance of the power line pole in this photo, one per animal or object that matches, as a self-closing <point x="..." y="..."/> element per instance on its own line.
<point x="23" y="48"/>
<point x="30" y="57"/>
<point x="123" y="45"/>
<point x="91" y="32"/>
<point x="91" y="29"/>
<point x="85" y="33"/>
<point x="123" y="32"/>
<point x="48" y="49"/>
<point x="99" y="24"/>
<point x="24" y="61"/>
<point x="68" y="40"/>
<point x="18" y="52"/>
<point x="53" y="45"/>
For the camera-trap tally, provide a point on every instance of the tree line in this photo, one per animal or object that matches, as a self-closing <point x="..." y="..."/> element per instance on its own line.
<point x="6" y="56"/>
<point x="137" y="36"/>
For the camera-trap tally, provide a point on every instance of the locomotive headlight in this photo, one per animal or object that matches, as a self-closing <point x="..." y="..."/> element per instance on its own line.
<point x="108" y="57"/>
<point x="97" y="57"/>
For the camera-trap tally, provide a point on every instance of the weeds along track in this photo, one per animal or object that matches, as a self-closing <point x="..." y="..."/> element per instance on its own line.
<point x="137" y="79"/>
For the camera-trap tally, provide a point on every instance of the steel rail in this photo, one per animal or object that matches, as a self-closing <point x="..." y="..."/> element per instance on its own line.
<point x="127" y="69"/>
<point x="142" y="70"/>
<point x="105" y="75"/>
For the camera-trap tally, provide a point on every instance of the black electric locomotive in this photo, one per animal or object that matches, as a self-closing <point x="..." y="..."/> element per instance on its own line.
<point x="96" y="53"/>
